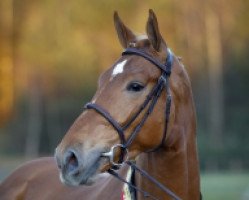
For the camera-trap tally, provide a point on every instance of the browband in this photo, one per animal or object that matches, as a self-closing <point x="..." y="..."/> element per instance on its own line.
<point x="164" y="67"/>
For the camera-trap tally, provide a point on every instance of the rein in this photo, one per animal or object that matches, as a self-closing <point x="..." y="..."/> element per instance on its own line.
<point x="150" y="102"/>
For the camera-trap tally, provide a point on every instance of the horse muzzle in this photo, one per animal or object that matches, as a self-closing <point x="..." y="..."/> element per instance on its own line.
<point x="77" y="168"/>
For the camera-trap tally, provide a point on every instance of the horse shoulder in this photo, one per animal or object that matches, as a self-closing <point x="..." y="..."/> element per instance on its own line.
<point x="18" y="185"/>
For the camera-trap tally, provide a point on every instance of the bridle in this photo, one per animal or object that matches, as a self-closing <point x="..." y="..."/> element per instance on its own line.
<point x="149" y="103"/>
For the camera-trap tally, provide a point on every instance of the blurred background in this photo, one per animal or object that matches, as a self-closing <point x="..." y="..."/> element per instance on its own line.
<point x="52" y="52"/>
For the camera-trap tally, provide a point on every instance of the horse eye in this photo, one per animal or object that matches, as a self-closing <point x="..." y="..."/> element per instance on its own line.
<point x="135" y="87"/>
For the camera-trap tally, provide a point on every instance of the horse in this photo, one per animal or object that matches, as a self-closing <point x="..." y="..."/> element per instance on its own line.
<point x="138" y="132"/>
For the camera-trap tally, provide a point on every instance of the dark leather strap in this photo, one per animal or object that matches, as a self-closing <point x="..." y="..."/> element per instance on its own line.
<point x="153" y="180"/>
<point x="164" y="67"/>
<point x="150" y="178"/>
<point x="109" y="118"/>
<point x="152" y="98"/>
<point x="146" y="115"/>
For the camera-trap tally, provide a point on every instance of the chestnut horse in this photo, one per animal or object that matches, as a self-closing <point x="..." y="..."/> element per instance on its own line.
<point x="143" y="109"/>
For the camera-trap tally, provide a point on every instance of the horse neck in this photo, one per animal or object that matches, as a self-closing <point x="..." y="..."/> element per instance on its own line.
<point x="175" y="166"/>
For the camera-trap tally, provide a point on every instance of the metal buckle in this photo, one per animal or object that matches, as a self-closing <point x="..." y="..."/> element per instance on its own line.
<point x="163" y="79"/>
<point x="111" y="154"/>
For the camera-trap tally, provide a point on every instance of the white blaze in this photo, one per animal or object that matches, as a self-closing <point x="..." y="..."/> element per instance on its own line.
<point x="119" y="68"/>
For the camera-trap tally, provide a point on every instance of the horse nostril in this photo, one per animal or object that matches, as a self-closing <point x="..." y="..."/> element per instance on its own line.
<point x="71" y="162"/>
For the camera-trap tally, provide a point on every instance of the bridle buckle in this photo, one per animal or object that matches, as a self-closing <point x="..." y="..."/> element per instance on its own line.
<point x="163" y="79"/>
<point x="110" y="154"/>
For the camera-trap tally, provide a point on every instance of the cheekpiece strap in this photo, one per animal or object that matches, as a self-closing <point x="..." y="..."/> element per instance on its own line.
<point x="109" y="118"/>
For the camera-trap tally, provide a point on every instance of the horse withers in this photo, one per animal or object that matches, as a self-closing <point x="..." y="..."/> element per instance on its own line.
<point x="143" y="110"/>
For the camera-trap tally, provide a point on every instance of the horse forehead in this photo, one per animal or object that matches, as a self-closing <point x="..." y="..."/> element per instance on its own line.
<point x="118" y="68"/>
<point x="127" y="64"/>
<point x="132" y="65"/>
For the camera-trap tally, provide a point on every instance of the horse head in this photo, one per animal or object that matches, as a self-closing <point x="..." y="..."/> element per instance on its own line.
<point x="83" y="152"/>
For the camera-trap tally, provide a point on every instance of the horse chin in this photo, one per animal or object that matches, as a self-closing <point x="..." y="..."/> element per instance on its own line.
<point x="88" y="182"/>
<point x="81" y="179"/>
<point x="68" y="182"/>
<point x="92" y="180"/>
<point x="103" y="166"/>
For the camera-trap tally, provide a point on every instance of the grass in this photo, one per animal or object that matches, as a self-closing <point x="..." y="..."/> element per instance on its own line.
<point x="228" y="186"/>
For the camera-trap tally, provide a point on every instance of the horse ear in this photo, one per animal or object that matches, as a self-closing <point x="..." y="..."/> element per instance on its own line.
<point x="154" y="33"/>
<point x="125" y="35"/>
